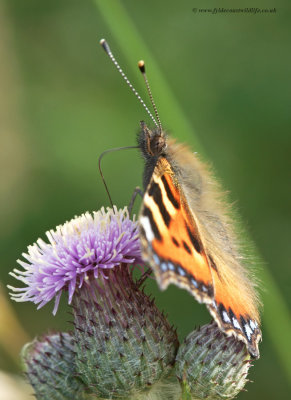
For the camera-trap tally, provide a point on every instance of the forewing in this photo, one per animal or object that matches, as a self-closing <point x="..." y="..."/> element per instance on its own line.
<point x="170" y="238"/>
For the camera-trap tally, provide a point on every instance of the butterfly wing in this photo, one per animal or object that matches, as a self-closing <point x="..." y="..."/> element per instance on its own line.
<point x="231" y="308"/>
<point x="170" y="239"/>
<point x="173" y="245"/>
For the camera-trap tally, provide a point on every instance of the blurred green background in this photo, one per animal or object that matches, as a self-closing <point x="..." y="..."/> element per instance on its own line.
<point x="62" y="103"/>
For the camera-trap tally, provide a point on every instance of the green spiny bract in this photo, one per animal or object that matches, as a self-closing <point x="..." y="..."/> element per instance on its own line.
<point x="211" y="365"/>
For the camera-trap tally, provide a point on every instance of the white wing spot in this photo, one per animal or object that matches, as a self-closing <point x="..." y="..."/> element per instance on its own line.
<point x="194" y="282"/>
<point x="235" y="323"/>
<point x="248" y="331"/>
<point x="252" y="325"/>
<point x="181" y="271"/>
<point x="171" y="266"/>
<point x="164" y="267"/>
<point x="156" y="259"/>
<point x="145" y="223"/>
<point x="226" y="317"/>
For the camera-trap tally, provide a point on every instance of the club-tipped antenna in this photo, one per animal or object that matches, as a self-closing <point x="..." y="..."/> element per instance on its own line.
<point x="106" y="47"/>
<point x="141" y="66"/>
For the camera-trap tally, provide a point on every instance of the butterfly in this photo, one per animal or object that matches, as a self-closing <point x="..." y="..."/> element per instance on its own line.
<point x="187" y="236"/>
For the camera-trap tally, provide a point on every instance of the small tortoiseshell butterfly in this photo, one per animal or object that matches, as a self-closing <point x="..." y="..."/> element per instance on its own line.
<point x="186" y="235"/>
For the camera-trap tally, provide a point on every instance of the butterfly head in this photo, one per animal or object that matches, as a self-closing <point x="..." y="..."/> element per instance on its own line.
<point x="153" y="143"/>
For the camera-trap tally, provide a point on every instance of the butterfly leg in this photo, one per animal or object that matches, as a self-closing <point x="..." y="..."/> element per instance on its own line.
<point x="144" y="276"/>
<point x="137" y="191"/>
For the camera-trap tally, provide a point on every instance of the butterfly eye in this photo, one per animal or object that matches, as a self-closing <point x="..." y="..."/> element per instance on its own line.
<point x="157" y="144"/>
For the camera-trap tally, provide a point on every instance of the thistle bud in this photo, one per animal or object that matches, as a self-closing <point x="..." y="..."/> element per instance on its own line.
<point x="50" y="368"/>
<point x="211" y="365"/>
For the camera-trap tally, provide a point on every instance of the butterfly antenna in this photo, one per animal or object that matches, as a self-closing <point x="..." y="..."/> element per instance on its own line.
<point x="100" y="169"/>
<point x="106" y="47"/>
<point x="141" y="66"/>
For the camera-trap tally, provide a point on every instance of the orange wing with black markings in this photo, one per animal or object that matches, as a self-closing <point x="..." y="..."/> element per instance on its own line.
<point x="232" y="310"/>
<point x="174" y="247"/>
<point x="170" y="238"/>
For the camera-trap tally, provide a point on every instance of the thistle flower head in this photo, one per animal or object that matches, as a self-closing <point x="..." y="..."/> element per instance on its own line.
<point x="78" y="250"/>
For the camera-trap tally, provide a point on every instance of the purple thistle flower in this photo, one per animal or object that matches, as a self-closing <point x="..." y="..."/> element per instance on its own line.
<point x="77" y="251"/>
